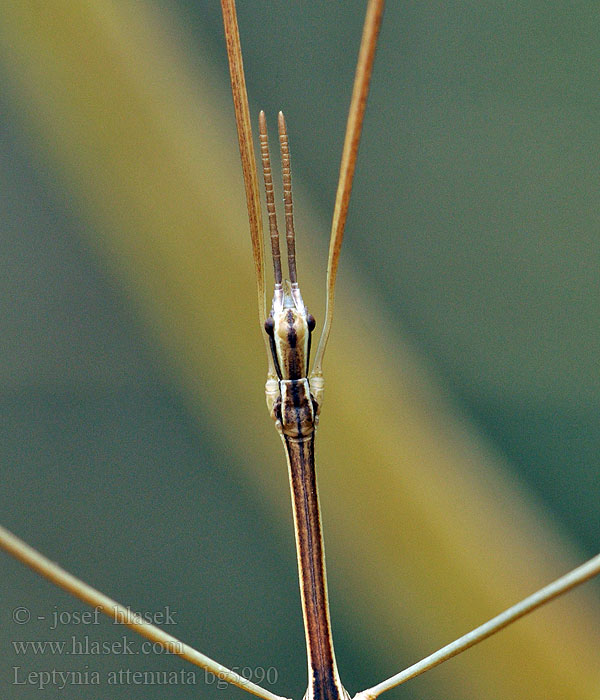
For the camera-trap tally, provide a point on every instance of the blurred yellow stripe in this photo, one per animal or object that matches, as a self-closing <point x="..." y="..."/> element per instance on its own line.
<point x="422" y="525"/>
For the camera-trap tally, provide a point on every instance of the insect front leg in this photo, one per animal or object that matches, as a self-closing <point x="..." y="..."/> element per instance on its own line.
<point x="273" y="396"/>
<point x="317" y="388"/>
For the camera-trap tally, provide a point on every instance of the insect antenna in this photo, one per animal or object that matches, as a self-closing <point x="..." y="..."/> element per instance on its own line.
<point x="270" y="197"/>
<point x="287" y="198"/>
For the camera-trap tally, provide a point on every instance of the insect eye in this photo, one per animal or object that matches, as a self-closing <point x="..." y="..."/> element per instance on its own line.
<point x="270" y="326"/>
<point x="310" y="320"/>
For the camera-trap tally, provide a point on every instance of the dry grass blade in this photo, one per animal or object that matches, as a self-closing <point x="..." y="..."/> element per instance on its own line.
<point x="244" y="129"/>
<point x="358" y="103"/>
<point x="54" y="573"/>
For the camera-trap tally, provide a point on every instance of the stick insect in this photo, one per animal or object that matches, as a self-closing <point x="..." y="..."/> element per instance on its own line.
<point x="24" y="551"/>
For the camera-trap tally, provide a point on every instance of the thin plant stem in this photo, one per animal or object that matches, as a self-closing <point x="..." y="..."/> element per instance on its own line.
<point x="563" y="584"/>
<point x="54" y="573"/>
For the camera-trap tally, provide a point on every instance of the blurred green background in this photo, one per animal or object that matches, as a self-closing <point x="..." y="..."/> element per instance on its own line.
<point x="458" y="448"/>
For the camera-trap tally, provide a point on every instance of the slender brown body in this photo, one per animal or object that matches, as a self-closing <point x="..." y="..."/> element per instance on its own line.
<point x="324" y="682"/>
<point x="294" y="400"/>
<point x="295" y="410"/>
<point x="295" y="413"/>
